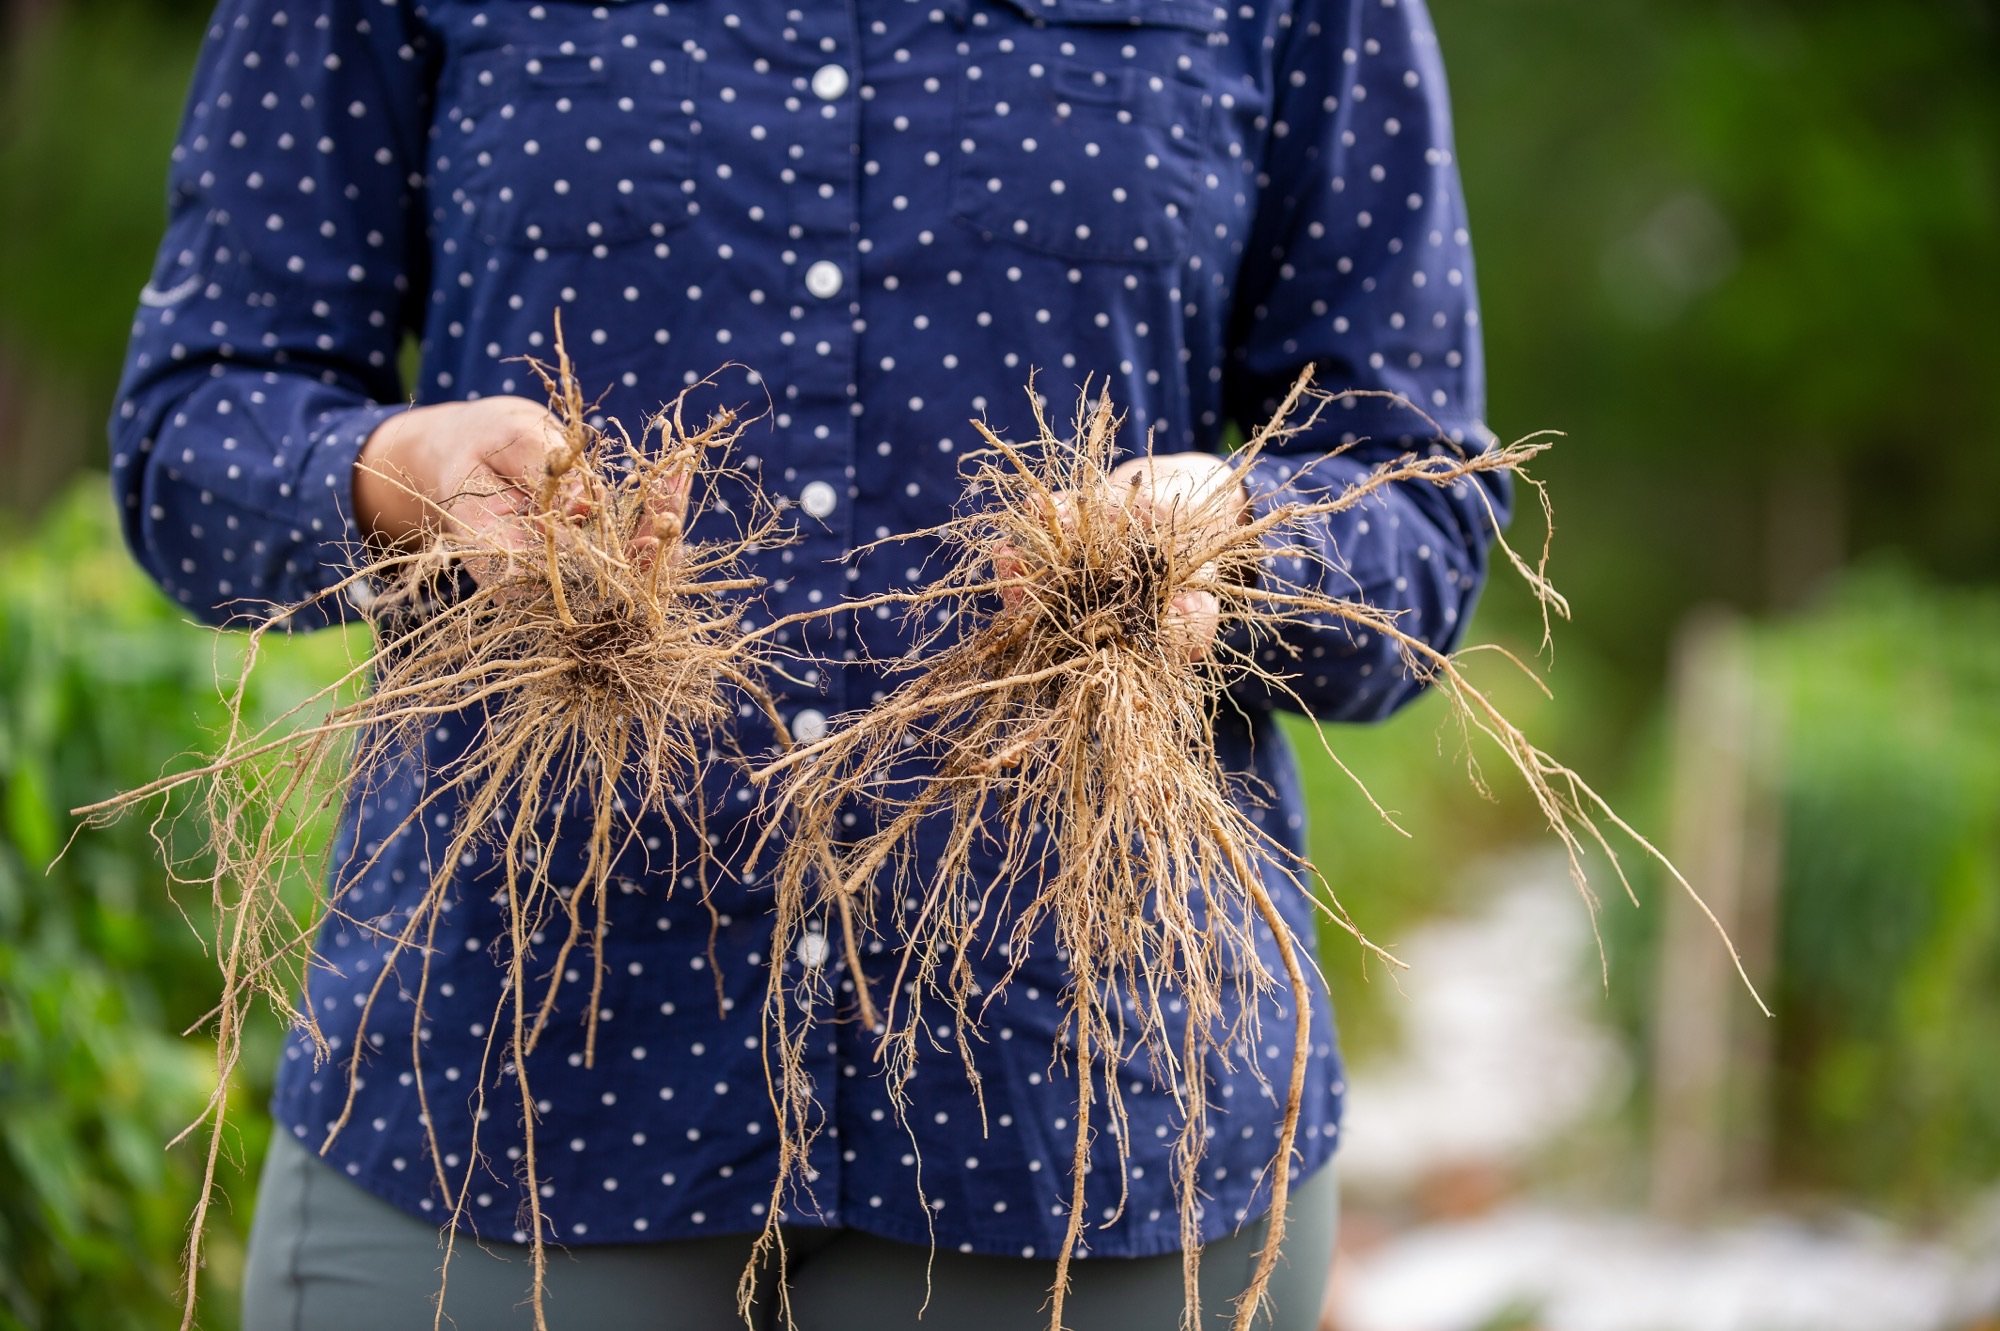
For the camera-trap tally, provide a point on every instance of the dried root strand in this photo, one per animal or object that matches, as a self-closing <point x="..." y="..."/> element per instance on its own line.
<point x="600" y="662"/>
<point x="1058" y="735"/>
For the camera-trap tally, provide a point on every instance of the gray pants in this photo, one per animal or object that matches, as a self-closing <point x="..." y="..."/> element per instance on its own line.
<point x="327" y="1256"/>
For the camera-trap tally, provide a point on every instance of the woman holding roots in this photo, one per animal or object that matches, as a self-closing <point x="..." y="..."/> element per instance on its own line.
<point x="881" y="219"/>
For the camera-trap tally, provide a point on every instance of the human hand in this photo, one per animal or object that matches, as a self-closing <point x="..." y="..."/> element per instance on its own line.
<point x="1197" y="496"/>
<point x="471" y="470"/>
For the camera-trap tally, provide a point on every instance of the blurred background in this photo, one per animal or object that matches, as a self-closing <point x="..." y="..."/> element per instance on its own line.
<point x="1743" y="255"/>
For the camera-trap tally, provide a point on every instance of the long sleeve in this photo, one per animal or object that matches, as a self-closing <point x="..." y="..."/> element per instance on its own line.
<point x="1359" y="263"/>
<point x="264" y="351"/>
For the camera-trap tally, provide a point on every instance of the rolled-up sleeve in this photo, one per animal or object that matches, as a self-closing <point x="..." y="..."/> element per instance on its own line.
<point x="1360" y="266"/>
<point x="264" y="351"/>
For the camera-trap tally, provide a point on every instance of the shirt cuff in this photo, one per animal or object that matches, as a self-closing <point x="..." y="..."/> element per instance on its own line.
<point x="1267" y="484"/>
<point x="329" y="533"/>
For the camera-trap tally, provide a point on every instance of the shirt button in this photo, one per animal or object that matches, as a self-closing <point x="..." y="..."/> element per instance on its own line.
<point x="829" y="83"/>
<point x="812" y="950"/>
<point x="808" y="725"/>
<point x="818" y="498"/>
<point x="823" y="279"/>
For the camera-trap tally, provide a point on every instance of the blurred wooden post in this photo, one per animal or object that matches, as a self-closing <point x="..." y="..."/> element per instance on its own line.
<point x="1711" y="1045"/>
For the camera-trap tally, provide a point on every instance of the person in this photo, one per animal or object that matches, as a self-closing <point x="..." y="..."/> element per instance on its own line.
<point x="883" y="216"/>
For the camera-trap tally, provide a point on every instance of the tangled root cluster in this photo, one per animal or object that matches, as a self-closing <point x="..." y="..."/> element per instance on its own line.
<point x="1059" y="709"/>
<point x="1068" y="723"/>
<point x="600" y="660"/>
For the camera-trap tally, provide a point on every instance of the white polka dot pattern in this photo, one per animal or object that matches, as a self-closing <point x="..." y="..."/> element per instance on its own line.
<point x="891" y="211"/>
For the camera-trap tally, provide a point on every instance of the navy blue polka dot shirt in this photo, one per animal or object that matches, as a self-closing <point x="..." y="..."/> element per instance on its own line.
<point x="882" y="215"/>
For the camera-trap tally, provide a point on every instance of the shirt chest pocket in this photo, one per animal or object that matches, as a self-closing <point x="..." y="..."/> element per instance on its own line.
<point x="1082" y="127"/>
<point x="564" y="145"/>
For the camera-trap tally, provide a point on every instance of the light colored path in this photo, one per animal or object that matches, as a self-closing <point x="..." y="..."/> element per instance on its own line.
<point x="1504" y="1056"/>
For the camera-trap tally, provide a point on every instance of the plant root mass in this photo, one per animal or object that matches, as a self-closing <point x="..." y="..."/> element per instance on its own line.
<point x="1054" y="729"/>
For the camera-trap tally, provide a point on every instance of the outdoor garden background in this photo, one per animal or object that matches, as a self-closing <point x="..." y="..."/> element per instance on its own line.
<point x="1746" y="256"/>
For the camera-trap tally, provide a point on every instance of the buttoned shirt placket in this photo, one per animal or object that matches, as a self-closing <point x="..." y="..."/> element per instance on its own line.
<point x="820" y="410"/>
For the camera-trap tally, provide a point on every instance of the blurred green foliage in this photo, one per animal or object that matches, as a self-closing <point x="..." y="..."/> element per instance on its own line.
<point x="100" y="965"/>
<point x="90" y="97"/>
<point x="1885" y="702"/>
<point x="1888" y="997"/>
<point x="1731" y="248"/>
